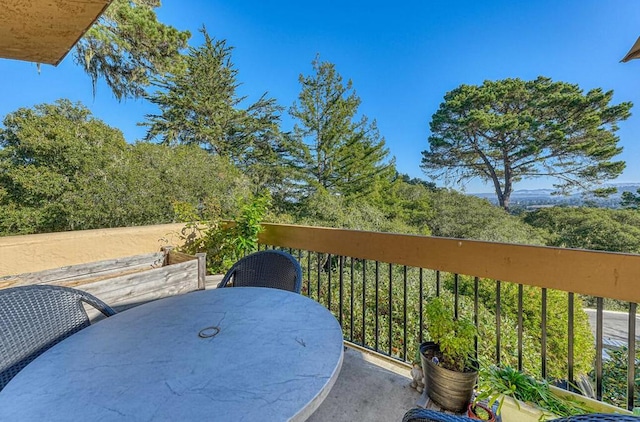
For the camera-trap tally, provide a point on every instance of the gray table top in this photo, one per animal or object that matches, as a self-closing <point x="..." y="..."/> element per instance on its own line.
<point x="275" y="358"/>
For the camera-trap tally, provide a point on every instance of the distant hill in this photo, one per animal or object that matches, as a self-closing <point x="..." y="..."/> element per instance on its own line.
<point x="536" y="198"/>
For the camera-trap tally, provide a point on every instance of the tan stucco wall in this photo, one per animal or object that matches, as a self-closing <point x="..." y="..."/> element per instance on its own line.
<point x="37" y="252"/>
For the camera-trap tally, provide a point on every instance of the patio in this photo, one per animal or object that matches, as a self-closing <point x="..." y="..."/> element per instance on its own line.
<point x="374" y="381"/>
<point x="369" y="388"/>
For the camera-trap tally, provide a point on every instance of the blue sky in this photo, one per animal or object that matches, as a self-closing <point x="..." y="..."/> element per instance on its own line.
<point x="402" y="58"/>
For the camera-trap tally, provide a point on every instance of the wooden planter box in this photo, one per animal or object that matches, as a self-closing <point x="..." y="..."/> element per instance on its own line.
<point x="125" y="282"/>
<point x="517" y="411"/>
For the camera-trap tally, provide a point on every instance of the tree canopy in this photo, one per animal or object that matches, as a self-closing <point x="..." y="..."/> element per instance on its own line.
<point x="468" y="217"/>
<point x="128" y="46"/>
<point x="46" y="152"/>
<point x="62" y="169"/>
<point x="505" y="131"/>
<point x="589" y="228"/>
<point x="631" y="200"/>
<point x="199" y="105"/>
<point x="338" y="151"/>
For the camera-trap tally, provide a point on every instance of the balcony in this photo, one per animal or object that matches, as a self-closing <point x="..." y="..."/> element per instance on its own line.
<point x="376" y="285"/>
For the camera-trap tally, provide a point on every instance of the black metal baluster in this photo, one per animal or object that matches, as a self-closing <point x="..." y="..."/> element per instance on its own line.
<point x="364" y="301"/>
<point x="376" y="304"/>
<point x="341" y="286"/>
<point x="390" y="304"/>
<point x="420" y="302"/>
<point x="455" y="296"/>
<point x="476" y="319"/>
<point x="543" y="341"/>
<point x="498" y="320"/>
<point x="319" y="267"/>
<point x="299" y="258"/>
<point x="599" y="346"/>
<point x="570" y="317"/>
<point x="520" y="329"/>
<point x="329" y="281"/>
<point x="309" y="273"/>
<point x="404" y="317"/>
<point x="631" y="359"/>
<point x="351" y="304"/>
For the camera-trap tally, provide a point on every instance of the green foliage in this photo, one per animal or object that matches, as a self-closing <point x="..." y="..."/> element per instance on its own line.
<point x="630" y="200"/>
<point x="337" y="152"/>
<point x="614" y="378"/>
<point x="47" y="153"/>
<point x="406" y="202"/>
<point x="557" y="326"/>
<point x="377" y="289"/>
<point x="589" y="228"/>
<point x="323" y="209"/>
<point x="198" y="100"/>
<point x="505" y="131"/>
<point x="496" y="382"/>
<point x="128" y="47"/>
<point x="61" y="169"/>
<point x="199" y="105"/>
<point x="223" y="242"/>
<point x="456" y="337"/>
<point x="467" y="217"/>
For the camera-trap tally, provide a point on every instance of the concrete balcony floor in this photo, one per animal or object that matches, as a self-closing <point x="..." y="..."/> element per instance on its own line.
<point x="369" y="388"/>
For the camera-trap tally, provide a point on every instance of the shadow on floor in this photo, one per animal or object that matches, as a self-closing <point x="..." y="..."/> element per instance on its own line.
<point x="367" y="389"/>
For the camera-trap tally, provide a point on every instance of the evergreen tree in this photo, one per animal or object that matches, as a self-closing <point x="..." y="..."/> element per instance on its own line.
<point x="505" y="131"/>
<point x="338" y="152"/>
<point x="630" y="200"/>
<point x="199" y="105"/>
<point x="128" y="46"/>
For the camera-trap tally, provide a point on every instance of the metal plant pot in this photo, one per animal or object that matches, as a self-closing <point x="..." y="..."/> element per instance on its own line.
<point x="452" y="390"/>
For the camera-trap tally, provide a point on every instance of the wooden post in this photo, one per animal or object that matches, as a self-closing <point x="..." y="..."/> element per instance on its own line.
<point x="166" y="249"/>
<point x="202" y="270"/>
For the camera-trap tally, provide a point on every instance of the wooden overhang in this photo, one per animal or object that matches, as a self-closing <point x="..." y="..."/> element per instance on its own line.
<point x="634" y="52"/>
<point x="44" y="31"/>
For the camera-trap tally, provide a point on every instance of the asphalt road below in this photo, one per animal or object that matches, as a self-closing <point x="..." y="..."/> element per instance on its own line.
<point x="615" y="325"/>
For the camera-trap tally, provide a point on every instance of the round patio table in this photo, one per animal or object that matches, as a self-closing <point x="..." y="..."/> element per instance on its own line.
<point x="232" y="354"/>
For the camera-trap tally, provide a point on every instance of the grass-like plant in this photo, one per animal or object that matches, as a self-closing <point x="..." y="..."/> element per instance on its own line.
<point x="495" y="383"/>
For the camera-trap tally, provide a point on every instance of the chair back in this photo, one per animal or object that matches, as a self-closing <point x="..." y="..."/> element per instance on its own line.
<point x="271" y="268"/>
<point x="419" y="414"/>
<point x="34" y="318"/>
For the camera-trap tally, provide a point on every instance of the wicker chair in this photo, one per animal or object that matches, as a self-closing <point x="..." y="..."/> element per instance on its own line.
<point x="34" y="318"/>
<point x="428" y="415"/>
<point x="269" y="268"/>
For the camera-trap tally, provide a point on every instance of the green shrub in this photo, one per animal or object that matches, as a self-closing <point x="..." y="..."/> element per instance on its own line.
<point x="223" y="242"/>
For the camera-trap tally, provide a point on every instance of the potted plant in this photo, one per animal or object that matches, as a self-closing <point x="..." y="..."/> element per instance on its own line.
<point x="479" y="411"/>
<point x="450" y="370"/>
<point x="528" y="399"/>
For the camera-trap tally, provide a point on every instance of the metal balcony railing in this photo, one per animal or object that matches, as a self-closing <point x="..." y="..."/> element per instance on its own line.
<point x="376" y="284"/>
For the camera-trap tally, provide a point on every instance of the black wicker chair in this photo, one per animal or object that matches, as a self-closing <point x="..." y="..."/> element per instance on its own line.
<point x="34" y="318"/>
<point x="428" y="415"/>
<point x="270" y="268"/>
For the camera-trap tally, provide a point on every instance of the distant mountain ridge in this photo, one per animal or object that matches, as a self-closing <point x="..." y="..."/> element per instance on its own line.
<point x="622" y="187"/>
<point x="543" y="196"/>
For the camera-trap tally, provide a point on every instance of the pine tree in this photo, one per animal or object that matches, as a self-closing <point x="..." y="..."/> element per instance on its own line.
<point x="127" y="47"/>
<point x="199" y="105"/>
<point x="339" y="152"/>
